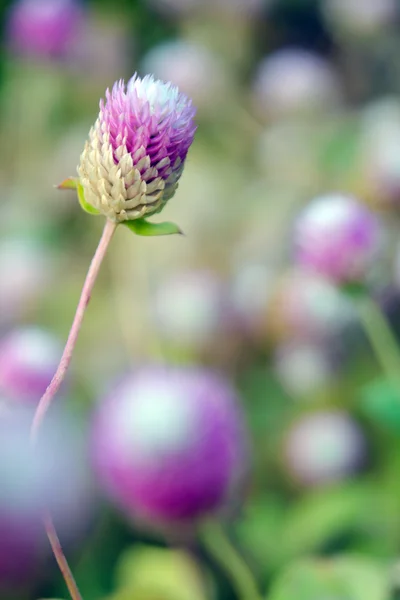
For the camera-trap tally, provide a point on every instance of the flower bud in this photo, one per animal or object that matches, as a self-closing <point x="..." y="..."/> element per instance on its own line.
<point x="136" y="150"/>
<point x="324" y="447"/>
<point x="351" y="18"/>
<point x="169" y="444"/>
<point x="28" y="361"/>
<point x="53" y="476"/>
<point x="302" y="368"/>
<point x="295" y="82"/>
<point x="338" y="237"/>
<point x="305" y="306"/>
<point x="43" y="28"/>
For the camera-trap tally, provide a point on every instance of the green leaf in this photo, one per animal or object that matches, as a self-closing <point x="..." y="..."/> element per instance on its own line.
<point x="143" y="227"/>
<point x="380" y="401"/>
<point x="145" y="572"/>
<point x="346" y="577"/>
<point x="68" y="184"/>
<point x="85" y="205"/>
<point x="72" y="183"/>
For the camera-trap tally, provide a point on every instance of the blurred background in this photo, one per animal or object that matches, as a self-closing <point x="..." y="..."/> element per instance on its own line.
<point x="295" y="98"/>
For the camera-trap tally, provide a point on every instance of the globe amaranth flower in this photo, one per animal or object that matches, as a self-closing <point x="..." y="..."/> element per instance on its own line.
<point x="325" y="446"/>
<point x="136" y="150"/>
<point x="338" y="237"/>
<point x="169" y="444"/>
<point x="28" y="359"/>
<point x="54" y="475"/>
<point x="43" y="28"/>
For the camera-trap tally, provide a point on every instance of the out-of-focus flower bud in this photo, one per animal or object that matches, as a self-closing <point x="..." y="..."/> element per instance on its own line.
<point x="43" y="28"/>
<point x="28" y="361"/>
<point x="359" y="17"/>
<point x="380" y="153"/>
<point x="303" y="368"/>
<point x="338" y="237"/>
<point x="26" y="269"/>
<point x="189" y="309"/>
<point x="193" y="68"/>
<point x="324" y="447"/>
<point x="169" y="445"/>
<point x="295" y="82"/>
<point x="53" y="476"/>
<point x="135" y="154"/>
<point x="306" y="306"/>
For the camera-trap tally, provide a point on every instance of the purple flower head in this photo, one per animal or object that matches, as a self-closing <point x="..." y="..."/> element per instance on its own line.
<point x="137" y="148"/>
<point x="54" y="476"/>
<point x="169" y="444"/>
<point x="338" y="237"/>
<point x="43" y="28"/>
<point x="294" y="81"/>
<point x="28" y="360"/>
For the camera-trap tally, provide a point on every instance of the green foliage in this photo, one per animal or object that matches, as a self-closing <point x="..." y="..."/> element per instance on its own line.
<point x="346" y="577"/>
<point x="143" y="227"/>
<point x="177" y="576"/>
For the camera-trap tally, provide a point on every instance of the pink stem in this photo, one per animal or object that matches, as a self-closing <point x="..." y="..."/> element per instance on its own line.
<point x="54" y="386"/>
<point x="60" y="558"/>
<point x="62" y="368"/>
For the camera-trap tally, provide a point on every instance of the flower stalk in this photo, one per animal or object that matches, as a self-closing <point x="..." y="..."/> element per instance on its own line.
<point x="47" y="398"/>
<point x="60" y="558"/>
<point x="218" y="545"/>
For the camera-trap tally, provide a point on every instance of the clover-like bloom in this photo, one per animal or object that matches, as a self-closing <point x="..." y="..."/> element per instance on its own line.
<point x="338" y="237"/>
<point x="170" y="445"/>
<point x="136" y="150"/>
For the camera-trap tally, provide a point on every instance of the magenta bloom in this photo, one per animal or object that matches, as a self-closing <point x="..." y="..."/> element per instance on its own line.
<point x="28" y="360"/>
<point x="54" y="475"/>
<point x="169" y="444"/>
<point x="43" y="28"/>
<point x="338" y="237"/>
<point x="136" y="150"/>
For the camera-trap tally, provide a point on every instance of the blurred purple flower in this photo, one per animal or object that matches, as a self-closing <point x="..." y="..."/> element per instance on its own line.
<point x="43" y="28"/>
<point x="338" y="237"/>
<point x="136" y="151"/>
<point x="194" y="68"/>
<point x="53" y="476"/>
<point x="28" y="360"/>
<point x="306" y="306"/>
<point x="170" y="445"/>
<point x="324" y="447"/>
<point x="293" y="81"/>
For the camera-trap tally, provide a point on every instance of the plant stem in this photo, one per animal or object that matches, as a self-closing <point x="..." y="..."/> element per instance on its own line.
<point x="381" y="338"/>
<point x="62" y="368"/>
<point x="219" y="546"/>
<point x="54" y="386"/>
<point x="60" y="558"/>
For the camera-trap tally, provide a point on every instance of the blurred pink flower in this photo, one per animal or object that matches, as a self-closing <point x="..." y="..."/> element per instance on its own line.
<point x="43" y="28"/>
<point x="338" y="237"/>
<point x="28" y="360"/>
<point x="293" y="81"/>
<point x="169" y="444"/>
